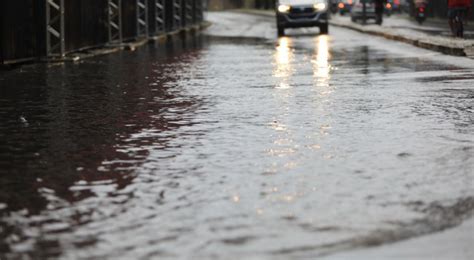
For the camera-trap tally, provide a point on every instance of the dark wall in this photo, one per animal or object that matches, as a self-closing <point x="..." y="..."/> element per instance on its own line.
<point x="129" y="19"/>
<point x="169" y="15"/>
<point x="151" y="18"/>
<point x="19" y="28"/>
<point x="2" y="18"/>
<point x="85" y="23"/>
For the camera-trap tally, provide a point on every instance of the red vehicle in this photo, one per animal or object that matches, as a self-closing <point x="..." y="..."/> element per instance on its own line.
<point x="420" y="6"/>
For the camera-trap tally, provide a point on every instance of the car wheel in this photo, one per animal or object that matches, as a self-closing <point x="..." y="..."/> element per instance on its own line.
<point x="323" y="29"/>
<point x="281" y="31"/>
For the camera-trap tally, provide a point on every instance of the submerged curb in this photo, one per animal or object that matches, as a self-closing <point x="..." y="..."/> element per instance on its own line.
<point x="112" y="48"/>
<point x="421" y="43"/>
<point x="131" y="46"/>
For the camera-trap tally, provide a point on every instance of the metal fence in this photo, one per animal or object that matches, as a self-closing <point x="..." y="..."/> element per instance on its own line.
<point x="30" y="29"/>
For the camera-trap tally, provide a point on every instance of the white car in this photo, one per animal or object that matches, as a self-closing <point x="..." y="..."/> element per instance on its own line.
<point x="302" y="13"/>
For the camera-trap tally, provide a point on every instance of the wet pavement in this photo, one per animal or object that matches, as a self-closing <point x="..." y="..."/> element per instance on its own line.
<point x="235" y="144"/>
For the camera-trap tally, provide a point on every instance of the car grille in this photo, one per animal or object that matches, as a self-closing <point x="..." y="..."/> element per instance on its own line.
<point x="302" y="17"/>
<point x="302" y="10"/>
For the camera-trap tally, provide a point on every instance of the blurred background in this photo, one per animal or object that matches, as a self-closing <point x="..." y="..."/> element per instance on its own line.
<point x="434" y="8"/>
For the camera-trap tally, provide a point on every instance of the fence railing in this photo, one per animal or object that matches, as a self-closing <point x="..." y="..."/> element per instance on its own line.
<point x="30" y="29"/>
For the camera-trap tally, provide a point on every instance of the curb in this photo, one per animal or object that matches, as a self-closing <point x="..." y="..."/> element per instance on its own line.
<point x="132" y="46"/>
<point x="450" y="50"/>
<point x="445" y="49"/>
<point x="112" y="48"/>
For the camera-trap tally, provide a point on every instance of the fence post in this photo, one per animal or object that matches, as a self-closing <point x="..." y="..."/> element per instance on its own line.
<point x="160" y="25"/>
<point x="55" y="42"/>
<point x="142" y="18"/>
<point x="177" y="21"/>
<point x="198" y="11"/>
<point x="188" y="12"/>
<point x="115" y="20"/>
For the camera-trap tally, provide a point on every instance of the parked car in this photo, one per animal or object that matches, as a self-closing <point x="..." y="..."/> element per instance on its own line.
<point x="357" y="11"/>
<point x="302" y="13"/>
<point x="344" y="6"/>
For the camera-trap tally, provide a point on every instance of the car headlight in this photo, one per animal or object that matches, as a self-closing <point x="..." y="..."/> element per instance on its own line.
<point x="284" y="8"/>
<point x="320" y="6"/>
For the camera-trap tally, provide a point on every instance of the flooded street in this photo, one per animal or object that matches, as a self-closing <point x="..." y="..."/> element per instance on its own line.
<point x="236" y="144"/>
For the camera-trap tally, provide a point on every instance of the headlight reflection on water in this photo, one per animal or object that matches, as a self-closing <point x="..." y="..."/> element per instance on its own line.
<point x="283" y="60"/>
<point x="321" y="66"/>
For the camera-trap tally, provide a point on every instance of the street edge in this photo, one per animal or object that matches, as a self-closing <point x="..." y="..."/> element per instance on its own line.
<point x="76" y="56"/>
<point x="445" y="49"/>
<point x="132" y="46"/>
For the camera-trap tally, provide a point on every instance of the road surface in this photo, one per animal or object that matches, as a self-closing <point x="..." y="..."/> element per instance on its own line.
<point x="236" y="144"/>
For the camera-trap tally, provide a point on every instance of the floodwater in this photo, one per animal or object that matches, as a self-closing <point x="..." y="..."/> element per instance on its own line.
<point x="228" y="147"/>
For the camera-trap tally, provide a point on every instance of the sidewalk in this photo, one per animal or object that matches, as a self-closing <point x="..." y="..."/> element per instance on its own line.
<point x="456" y="244"/>
<point x="429" y="36"/>
<point x="401" y="29"/>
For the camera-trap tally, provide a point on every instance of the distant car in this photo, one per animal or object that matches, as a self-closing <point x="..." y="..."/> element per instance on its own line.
<point x="357" y="11"/>
<point x="344" y="6"/>
<point x="302" y="13"/>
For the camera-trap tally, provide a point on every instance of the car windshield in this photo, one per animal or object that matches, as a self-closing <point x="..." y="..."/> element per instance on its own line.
<point x="301" y="2"/>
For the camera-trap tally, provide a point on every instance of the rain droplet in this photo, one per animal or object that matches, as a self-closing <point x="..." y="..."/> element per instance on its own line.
<point x="23" y="121"/>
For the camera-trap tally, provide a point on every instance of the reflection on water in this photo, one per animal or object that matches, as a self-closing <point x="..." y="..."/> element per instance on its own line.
<point x="321" y="64"/>
<point x="78" y="132"/>
<point x="284" y="56"/>
<point x="194" y="153"/>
